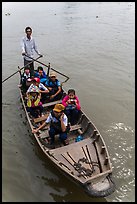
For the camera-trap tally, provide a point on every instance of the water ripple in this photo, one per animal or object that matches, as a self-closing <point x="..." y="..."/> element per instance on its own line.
<point x="123" y="158"/>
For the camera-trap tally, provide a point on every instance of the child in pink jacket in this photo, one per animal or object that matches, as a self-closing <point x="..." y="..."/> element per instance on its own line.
<point x="72" y="106"/>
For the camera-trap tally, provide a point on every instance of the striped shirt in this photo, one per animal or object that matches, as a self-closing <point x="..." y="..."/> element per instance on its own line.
<point x="41" y="87"/>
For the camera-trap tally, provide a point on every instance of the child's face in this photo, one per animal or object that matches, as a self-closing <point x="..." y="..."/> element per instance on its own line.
<point x="27" y="71"/>
<point x="33" y="93"/>
<point x="40" y="72"/>
<point x="71" y="96"/>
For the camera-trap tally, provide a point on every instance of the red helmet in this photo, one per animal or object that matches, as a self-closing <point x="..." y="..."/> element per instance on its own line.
<point x="37" y="79"/>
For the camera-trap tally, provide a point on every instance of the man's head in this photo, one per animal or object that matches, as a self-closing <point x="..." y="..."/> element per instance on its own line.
<point x="53" y="76"/>
<point x="58" y="109"/>
<point x="28" y="31"/>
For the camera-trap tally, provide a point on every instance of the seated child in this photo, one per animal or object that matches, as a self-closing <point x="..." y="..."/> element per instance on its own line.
<point x="24" y="77"/>
<point x="42" y="89"/>
<point x="34" y="105"/>
<point x="41" y="74"/>
<point x="72" y="106"/>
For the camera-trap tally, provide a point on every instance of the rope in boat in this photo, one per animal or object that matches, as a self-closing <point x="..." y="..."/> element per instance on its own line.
<point x="78" y="166"/>
<point x="88" y="172"/>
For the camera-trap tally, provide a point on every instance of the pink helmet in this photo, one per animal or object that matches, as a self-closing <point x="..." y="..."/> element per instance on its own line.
<point x="37" y="79"/>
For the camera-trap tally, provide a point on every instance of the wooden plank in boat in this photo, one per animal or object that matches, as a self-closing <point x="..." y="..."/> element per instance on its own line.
<point x="75" y="127"/>
<point x="37" y="120"/>
<point x="80" y="150"/>
<point x="73" y="146"/>
<point x="52" y="103"/>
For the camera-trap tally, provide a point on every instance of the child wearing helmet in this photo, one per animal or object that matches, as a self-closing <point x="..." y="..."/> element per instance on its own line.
<point x="42" y="89"/>
<point x="34" y="105"/>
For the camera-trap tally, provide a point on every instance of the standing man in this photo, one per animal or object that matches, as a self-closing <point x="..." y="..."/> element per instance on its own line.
<point x="28" y="46"/>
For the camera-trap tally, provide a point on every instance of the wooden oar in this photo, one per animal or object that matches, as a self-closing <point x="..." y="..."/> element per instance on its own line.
<point x="20" y="69"/>
<point x="50" y="68"/>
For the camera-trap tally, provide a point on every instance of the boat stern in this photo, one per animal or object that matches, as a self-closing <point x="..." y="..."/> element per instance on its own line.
<point x="101" y="188"/>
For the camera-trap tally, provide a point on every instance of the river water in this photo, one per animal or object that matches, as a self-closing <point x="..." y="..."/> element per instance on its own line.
<point x="94" y="44"/>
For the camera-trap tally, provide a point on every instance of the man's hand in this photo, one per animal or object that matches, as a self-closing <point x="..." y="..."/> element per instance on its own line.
<point x="49" y="88"/>
<point x="61" y="117"/>
<point x="34" y="130"/>
<point x="52" y="96"/>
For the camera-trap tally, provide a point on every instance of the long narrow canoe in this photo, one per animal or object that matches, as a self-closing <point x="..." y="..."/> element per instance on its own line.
<point x="86" y="162"/>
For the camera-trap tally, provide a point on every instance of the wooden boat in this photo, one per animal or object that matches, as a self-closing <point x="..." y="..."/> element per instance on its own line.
<point x="86" y="162"/>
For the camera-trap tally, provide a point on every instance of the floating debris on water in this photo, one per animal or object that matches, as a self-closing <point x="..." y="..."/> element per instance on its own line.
<point x="7" y="14"/>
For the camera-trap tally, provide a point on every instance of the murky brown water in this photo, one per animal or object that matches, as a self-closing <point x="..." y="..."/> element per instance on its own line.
<point x="94" y="44"/>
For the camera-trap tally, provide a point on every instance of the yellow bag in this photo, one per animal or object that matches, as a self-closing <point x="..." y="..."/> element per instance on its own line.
<point x="37" y="102"/>
<point x="29" y="102"/>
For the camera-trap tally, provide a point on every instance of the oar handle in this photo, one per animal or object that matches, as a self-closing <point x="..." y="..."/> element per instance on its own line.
<point x="19" y="70"/>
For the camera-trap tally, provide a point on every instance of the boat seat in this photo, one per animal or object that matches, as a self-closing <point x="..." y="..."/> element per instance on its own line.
<point x="51" y="103"/>
<point x="37" y="120"/>
<point x="74" y="127"/>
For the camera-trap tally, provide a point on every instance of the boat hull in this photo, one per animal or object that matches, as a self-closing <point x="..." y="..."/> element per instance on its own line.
<point x="87" y="162"/>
